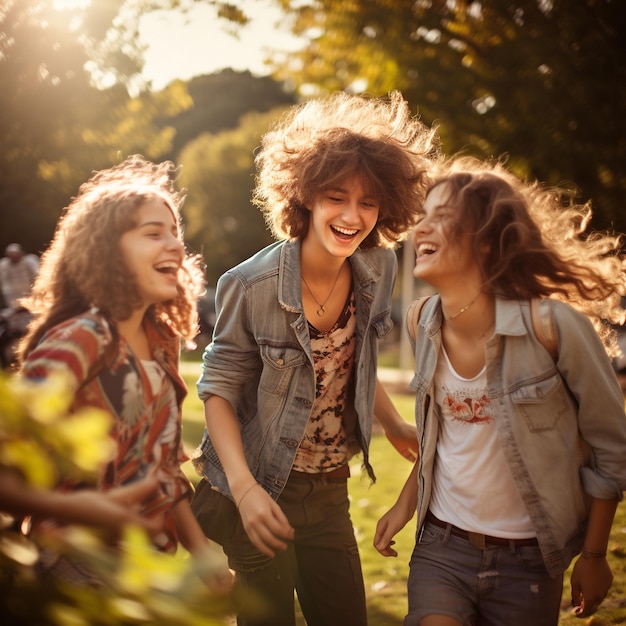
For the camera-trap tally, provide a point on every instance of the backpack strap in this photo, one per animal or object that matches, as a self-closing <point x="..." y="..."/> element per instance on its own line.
<point x="544" y="326"/>
<point x="545" y="330"/>
<point x="413" y="317"/>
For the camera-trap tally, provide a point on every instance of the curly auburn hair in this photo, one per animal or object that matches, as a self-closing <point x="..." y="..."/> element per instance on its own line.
<point x="531" y="240"/>
<point x="323" y="141"/>
<point x="83" y="268"/>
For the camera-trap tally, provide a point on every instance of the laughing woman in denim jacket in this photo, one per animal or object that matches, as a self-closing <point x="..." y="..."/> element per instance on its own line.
<point x="503" y="495"/>
<point x="289" y="381"/>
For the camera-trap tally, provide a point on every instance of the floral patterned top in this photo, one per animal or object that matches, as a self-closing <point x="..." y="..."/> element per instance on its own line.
<point x="328" y="442"/>
<point x="147" y="425"/>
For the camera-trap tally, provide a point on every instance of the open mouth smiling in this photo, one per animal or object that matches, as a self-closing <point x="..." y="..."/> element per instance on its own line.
<point x="169" y="267"/>
<point x="344" y="233"/>
<point x="425" y="249"/>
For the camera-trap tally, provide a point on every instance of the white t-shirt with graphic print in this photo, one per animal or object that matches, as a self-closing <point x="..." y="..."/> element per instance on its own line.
<point x="473" y="487"/>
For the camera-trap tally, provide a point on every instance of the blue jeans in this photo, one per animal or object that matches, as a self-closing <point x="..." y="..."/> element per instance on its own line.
<point x="491" y="586"/>
<point x="321" y="564"/>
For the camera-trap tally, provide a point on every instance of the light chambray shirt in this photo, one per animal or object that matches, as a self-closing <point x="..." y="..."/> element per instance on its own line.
<point x="540" y="407"/>
<point x="260" y="358"/>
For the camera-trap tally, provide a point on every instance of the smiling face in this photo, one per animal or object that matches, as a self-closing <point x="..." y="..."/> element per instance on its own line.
<point x="341" y="218"/>
<point x="153" y="252"/>
<point x="441" y="253"/>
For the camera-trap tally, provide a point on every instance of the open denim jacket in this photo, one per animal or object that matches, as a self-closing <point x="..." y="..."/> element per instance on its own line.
<point x="260" y="358"/>
<point x="541" y="406"/>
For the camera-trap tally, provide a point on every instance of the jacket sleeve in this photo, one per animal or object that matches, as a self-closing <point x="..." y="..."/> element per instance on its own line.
<point x="589" y="375"/>
<point x="232" y="359"/>
<point x="72" y="348"/>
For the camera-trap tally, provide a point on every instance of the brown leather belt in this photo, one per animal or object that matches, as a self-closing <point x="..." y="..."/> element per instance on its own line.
<point x="339" y="472"/>
<point x="478" y="540"/>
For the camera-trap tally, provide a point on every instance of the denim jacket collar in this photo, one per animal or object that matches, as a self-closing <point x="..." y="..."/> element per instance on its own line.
<point x="364" y="275"/>
<point x="509" y="319"/>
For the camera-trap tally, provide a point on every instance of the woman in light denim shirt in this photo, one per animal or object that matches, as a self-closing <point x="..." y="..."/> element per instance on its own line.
<point x="289" y="380"/>
<point x="504" y="496"/>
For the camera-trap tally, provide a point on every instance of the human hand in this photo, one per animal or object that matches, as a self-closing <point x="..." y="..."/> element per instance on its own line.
<point x="211" y="565"/>
<point x="386" y="529"/>
<point x="264" y="521"/>
<point x="112" y="510"/>
<point x="590" y="582"/>
<point x="403" y="437"/>
<point x="131" y="498"/>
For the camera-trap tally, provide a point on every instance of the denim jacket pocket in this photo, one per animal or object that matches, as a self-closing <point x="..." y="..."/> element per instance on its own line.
<point x="279" y="365"/>
<point x="541" y="403"/>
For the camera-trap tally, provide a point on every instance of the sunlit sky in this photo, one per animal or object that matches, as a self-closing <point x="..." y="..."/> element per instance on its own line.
<point x="187" y="45"/>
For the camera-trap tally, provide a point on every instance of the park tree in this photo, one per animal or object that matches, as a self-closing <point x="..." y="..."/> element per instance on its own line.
<point x="218" y="170"/>
<point x="539" y="82"/>
<point x="74" y="102"/>
<point x="67" y="109"/>
<point x="219" y="101"/>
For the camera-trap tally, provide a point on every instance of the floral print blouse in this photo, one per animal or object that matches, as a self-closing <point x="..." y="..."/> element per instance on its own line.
<point x="147" y="419"/>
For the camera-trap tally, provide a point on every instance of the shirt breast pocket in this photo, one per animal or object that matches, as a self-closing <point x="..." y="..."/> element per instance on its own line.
<point x="279" y="365"/>
<point x="542" y="403"/>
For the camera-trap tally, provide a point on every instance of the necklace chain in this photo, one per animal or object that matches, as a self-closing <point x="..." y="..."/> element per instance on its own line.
<point x="320" y="312"/>
<point x="467" y="306"/>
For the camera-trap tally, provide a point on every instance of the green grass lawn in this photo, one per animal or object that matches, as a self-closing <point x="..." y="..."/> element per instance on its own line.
<point x="385" y="578"/>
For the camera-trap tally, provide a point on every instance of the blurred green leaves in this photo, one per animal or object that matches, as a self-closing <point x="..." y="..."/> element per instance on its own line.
<point x="46" y="444"/>
<point x="41" y="441"/>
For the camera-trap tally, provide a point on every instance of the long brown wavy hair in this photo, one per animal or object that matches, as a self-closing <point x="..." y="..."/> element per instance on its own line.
<point x="531" y="240"/>
<point x="83" y="268"/>
<point x="325" y="140"/>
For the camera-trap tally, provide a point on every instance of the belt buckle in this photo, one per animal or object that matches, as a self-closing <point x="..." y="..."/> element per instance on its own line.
<point x="477" y="540"/>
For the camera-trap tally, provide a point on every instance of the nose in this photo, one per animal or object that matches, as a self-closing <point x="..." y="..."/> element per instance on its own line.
<point x="174" y="243"/>
<point x="351" y="211"/>
<point x="423" y="226"/>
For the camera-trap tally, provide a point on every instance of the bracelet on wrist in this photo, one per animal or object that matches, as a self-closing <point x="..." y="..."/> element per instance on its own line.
<point x="246" y="492"/>
<point x="592" y="554"/>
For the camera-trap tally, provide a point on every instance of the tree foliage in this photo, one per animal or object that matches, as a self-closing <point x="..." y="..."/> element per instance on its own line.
<point x="218" y="171"/>
<point x="540" y="81"/>
<point x="56" y="124"/>
<point x="219" y="101"/>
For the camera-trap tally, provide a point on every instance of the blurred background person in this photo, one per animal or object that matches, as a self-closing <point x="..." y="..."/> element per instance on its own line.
<point x="17" y="274"/>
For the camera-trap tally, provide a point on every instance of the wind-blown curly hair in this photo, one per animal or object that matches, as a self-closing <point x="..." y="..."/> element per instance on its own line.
<point x="532" y="241"/>
<point x="83" y="267"/>
<point x="321" y="142"/>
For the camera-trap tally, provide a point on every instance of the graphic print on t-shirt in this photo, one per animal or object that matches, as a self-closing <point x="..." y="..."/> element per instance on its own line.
<point x="466" y="405"/>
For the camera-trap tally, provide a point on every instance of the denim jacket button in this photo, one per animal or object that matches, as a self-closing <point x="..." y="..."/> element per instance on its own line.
<point x="280" y="362"/>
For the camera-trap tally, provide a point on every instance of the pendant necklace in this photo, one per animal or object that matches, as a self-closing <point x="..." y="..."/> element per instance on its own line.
<point x="467" y="306"/>
<point x="320" y="312"/>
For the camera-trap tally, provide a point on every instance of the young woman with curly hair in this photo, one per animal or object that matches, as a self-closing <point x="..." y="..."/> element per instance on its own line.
<point x="289" y="381"/>
<point x="115" y="297"/>
<point x="505" y="499"/>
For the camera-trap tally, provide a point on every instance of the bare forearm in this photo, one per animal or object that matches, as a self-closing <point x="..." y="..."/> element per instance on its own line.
<point x="223" y="427"/>
<point x="189" y="532"/>
<point x="601" y="518"/>
<point x="408" y="495"/>
<point x="90" y="507"/>
<point x="384" y="410"/>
